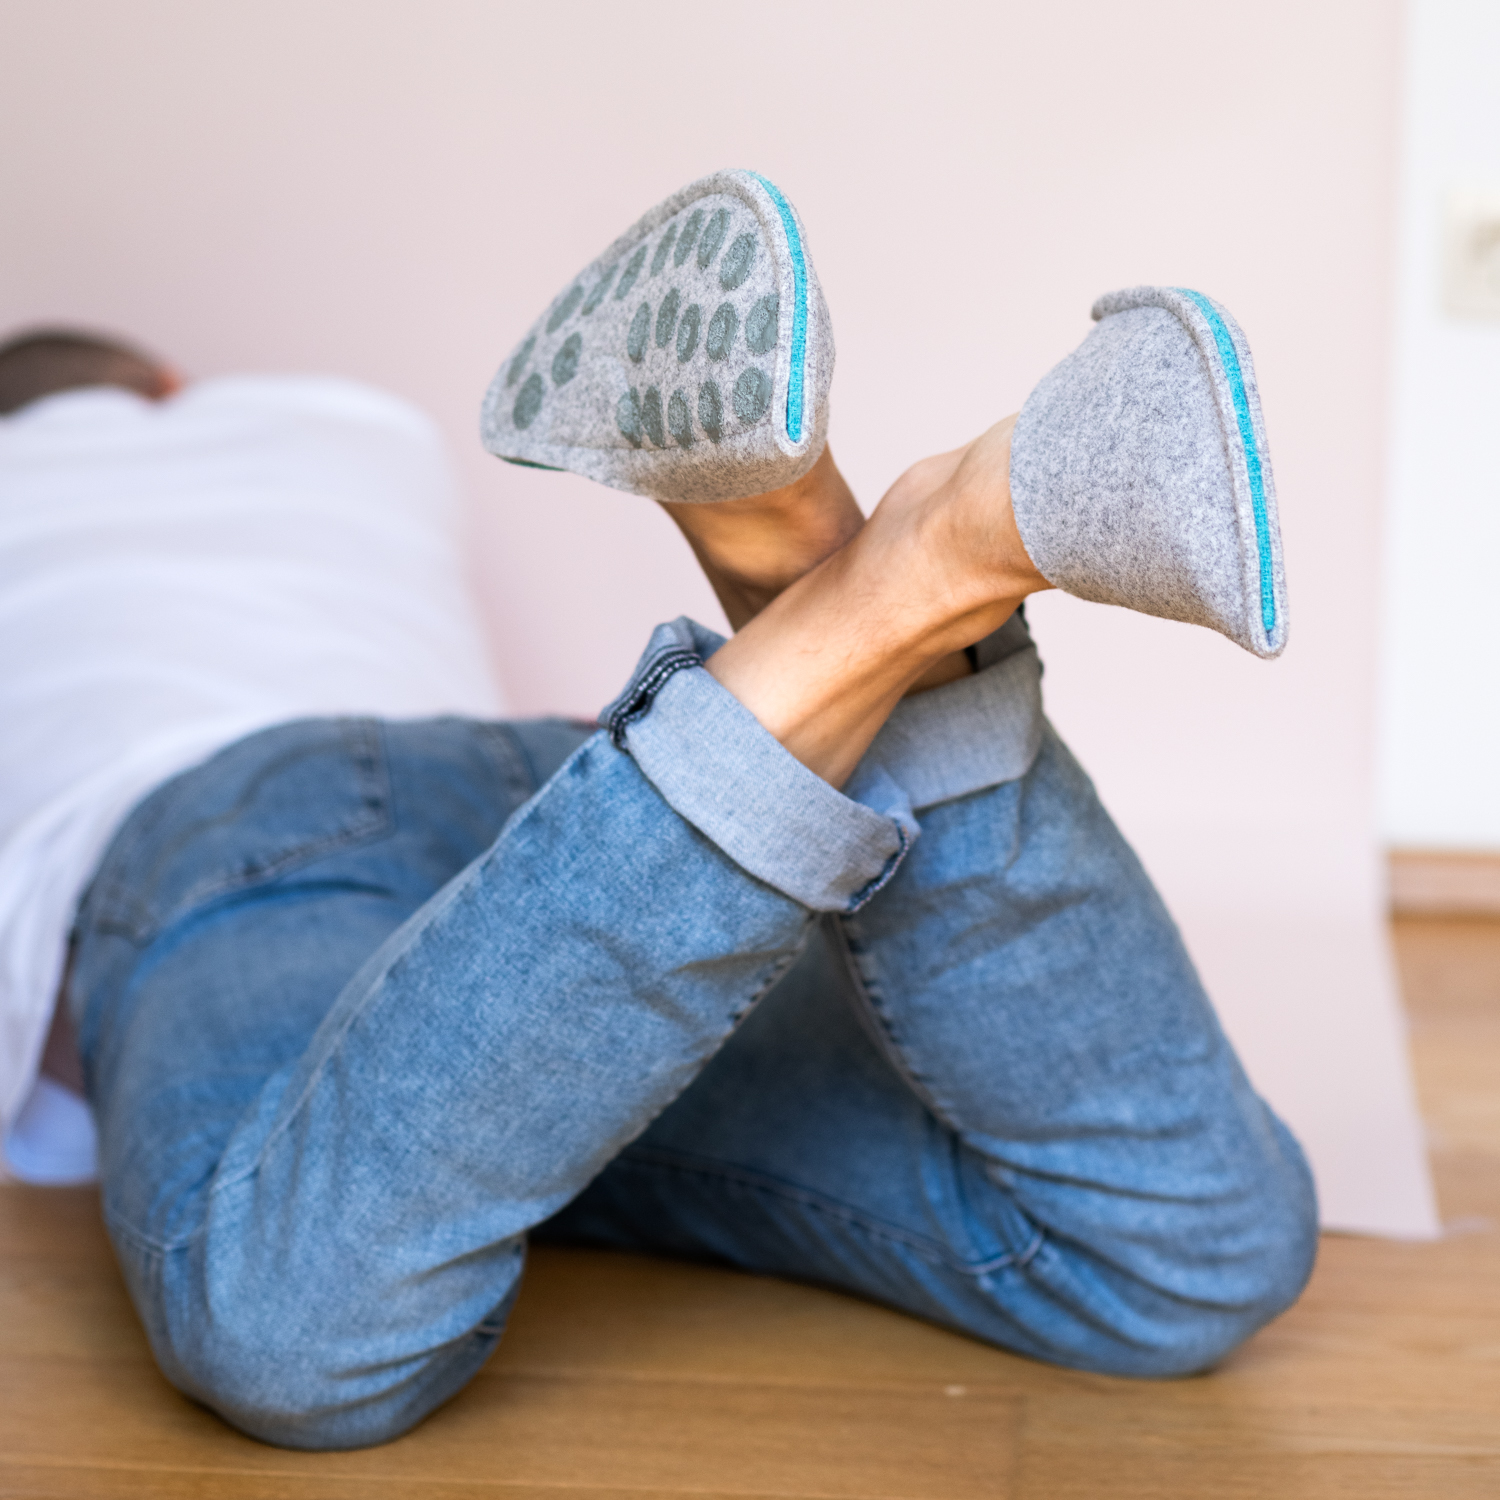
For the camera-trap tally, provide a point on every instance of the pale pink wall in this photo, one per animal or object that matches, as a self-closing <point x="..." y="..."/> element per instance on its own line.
<point x="393" y="191"/>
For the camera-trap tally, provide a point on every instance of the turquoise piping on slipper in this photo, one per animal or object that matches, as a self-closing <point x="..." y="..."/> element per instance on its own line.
<point x="799" y="310"/>
<point x="1231" y="362"/>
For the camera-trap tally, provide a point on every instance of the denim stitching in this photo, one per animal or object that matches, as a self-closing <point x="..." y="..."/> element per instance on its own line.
<point x="1031" y="1252"/>
<point x="933" y="1251"/>
<point x="878" y="1026"/>
<point x="520" y="767"/>
<point x="885" y="1032"/>
<point x="873" y="1022"/>
<point x="121" y="1229"/>
<point x="511" y="760"/>
<point x="116" y="909"/>
<point x="779" y="970"/>
<point x="642" y="692"/>
<point x="866" y="892"/>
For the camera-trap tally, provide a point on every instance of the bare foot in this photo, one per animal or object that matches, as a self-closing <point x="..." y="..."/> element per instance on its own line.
<point x="939" y="566"/>
<point x="955" y="510"/>
<point x="753" y="549"/>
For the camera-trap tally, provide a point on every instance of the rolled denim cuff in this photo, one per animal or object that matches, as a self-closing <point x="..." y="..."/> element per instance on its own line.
<point x="978" y="732"/>
<point x="717" y="767"/>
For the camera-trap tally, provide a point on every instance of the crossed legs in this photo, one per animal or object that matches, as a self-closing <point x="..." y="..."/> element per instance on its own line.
<point x="995" y="1095"/>
<point x="350" y="1039"/>
<point x="837" y="622"/>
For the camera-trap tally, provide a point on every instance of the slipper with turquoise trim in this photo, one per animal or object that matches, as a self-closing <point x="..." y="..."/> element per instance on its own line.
<point x="691" y="361"/>
<point x="1140" y="475"/>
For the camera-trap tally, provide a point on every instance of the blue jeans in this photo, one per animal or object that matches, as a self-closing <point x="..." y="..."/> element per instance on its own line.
<point x="365" y="1005"/>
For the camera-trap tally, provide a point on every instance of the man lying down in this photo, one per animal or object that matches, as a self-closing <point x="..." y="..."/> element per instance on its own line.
<point x="817" y="956"/>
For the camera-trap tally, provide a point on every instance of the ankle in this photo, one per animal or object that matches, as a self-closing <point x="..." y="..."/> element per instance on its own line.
<point x="952" y="516"/>
<point x="981" y="513"/>
<point x="765" y="541"/>
<point x="753" y="548"/>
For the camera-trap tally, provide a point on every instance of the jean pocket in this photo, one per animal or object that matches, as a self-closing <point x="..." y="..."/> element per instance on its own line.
<point x="257" y="810"/>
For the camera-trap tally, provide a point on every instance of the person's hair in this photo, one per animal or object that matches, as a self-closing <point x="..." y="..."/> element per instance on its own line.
<point x="43" y="361"/>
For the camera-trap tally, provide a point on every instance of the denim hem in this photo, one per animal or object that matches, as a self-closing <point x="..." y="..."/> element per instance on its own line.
<point x="963" y="737"/>
<point x="648" y="681"/>
<point x="718" y="768"/>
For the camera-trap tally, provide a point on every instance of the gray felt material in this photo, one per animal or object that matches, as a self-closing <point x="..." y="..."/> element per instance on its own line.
<point x="1140" y="474"/>
<point x="665" y="367"/>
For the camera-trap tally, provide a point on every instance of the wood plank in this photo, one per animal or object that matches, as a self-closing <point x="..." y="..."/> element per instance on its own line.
<point x="1449" y="967"/>
<point x="1444" y="882"/>
<point x="70" y="1481"/>
<point x="62" y="1481"/>
<point x="582" y="1433"/>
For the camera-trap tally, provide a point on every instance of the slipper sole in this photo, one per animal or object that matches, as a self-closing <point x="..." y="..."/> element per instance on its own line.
<point x="690" y="361"/>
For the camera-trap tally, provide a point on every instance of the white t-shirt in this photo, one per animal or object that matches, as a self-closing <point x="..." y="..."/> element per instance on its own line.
<point x="173" y="576"/>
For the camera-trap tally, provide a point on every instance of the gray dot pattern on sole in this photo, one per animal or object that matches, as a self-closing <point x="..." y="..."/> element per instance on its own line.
<point x="752" y="395"/>
<point x="528" y="402"/>
<point x="688" y="235"/>
<point x="628" y="417"/>
<point x="761" y="325"/>
<point x="600" y="288"/>
<point x="687" y="333"/>
<point x="632" y="274"/>
<point x="663" y="250"/>
<point x="711" y="251"/>
<point x="679" y="420"/>
<point x="651" y="417"/>
<point x="519" y="362"/>
<point x="713" y="237"/>
<point x="722" y="328"/>
<point x="735" y="266"/>
<point x="565" y="361"/>
<point x="666" y="317"/>
<point x="565" y="309"/>
<point x="711" y="410"/>
<point x="640" y="334"/>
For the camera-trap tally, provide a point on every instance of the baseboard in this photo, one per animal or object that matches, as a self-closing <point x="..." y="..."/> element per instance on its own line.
<point x="1444" y="883"/>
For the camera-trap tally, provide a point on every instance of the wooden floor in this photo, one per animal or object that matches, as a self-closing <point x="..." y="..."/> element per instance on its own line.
<point x="631" y="1378"/>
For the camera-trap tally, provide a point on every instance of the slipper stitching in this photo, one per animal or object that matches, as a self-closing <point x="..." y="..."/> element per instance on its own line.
<point x="799" y="310"/>
<point x="1231" y="362"/>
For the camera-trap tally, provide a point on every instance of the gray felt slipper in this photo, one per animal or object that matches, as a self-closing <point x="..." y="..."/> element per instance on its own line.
<point x="690" y="361"/>
<point x="1140" y="474"/>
